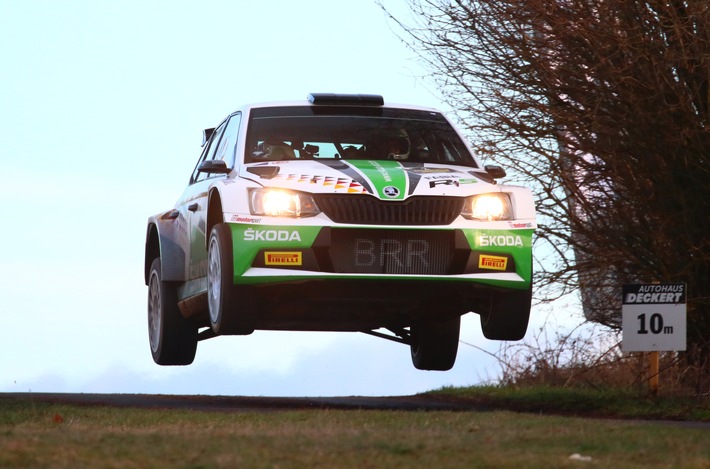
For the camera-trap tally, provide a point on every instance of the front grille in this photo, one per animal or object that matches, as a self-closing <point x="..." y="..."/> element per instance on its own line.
<point x="368" y="210"/>
<point x="379" y="251"/>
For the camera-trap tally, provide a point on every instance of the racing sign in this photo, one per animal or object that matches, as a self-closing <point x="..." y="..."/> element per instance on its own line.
<point x="653" y="317"/>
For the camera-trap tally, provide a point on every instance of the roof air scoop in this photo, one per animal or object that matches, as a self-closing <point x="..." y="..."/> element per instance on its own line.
<point x="335" y="98"/>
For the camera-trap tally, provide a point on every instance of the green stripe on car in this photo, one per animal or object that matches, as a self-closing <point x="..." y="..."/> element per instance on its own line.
<point x="388" y="177"/>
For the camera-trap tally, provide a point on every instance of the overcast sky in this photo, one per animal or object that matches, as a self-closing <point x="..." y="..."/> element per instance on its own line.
<point x="102" y="106"/>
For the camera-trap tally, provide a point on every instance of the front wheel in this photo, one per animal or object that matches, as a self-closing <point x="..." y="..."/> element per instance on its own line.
<point x="230" y="308"/>
<point x="434" y="344"/>
<point x="507" y="315"/>
<point x="173" y="339"/>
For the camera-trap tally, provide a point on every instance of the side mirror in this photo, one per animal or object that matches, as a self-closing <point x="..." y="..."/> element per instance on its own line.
<point x="206" y="134"/>
<point x="495" y="171"/>
<point x="214" y="167"/>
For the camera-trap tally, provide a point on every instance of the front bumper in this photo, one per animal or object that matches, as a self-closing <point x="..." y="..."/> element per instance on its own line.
<point x="281" y="254"/>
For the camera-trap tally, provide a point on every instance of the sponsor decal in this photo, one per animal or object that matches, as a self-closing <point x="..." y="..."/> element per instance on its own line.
<point x="427" y="170"/>
<point x="271" y="235"/>
<point x="404" y="255"/>
<point x="283" y="258"/>
<point x="500" y="240"/>
<point x="445" y="182"/>
<point x="442" y="176"/>
<point x="243" y="219"/>
<point x="520" y="225"/>
<point x="381" y="169"/>
<point x="486" y="261"/>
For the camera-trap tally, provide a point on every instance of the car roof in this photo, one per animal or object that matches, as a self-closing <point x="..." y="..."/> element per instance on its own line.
<point x="333" y="99"/>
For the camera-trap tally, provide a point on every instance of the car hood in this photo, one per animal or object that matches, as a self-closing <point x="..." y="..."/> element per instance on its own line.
<point x="386" y="179"/>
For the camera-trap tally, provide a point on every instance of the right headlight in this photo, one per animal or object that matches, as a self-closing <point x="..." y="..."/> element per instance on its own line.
<point x="488" y="207"/>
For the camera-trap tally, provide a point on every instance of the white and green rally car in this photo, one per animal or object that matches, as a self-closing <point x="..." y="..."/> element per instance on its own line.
<point x="339" y="213"/>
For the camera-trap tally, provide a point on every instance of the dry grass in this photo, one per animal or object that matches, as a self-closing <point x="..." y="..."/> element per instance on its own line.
<point x="32" y="435"/>
<point x="590" y="357"/>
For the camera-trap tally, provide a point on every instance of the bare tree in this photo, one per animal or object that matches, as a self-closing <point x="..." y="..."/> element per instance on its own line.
<point x="601" y="106"/>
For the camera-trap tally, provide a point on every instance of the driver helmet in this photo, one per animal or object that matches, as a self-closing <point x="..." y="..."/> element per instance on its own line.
<point x="398" y="146"/>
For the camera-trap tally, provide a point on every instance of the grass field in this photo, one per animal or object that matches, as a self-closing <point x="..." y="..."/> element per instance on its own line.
<point x="601" y="403"/>
<point x="41" y="434"/>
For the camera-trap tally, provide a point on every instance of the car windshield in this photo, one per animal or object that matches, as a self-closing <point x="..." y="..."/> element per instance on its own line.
<point x="312" y="132"/>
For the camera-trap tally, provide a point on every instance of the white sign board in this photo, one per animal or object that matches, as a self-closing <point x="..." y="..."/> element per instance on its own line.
<point x="653" y="317"/>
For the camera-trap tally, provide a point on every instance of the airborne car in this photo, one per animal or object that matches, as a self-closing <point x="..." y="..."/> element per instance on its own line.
<point x="339" y="213"/>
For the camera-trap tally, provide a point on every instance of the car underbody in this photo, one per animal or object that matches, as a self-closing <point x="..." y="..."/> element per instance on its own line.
<point x="347" y="305"/>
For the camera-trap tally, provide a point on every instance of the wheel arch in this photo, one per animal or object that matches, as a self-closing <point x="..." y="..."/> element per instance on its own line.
<point x="152" y="249"/>
<point x="215" y="213"/>
<point x="163" y="241"/>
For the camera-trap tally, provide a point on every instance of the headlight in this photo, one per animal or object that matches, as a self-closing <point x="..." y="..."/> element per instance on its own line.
<point x="282" y="203"/>
<point x="488" y="207"/>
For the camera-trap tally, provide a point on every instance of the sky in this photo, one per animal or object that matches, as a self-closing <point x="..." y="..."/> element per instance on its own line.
<point x="102" y="106"/>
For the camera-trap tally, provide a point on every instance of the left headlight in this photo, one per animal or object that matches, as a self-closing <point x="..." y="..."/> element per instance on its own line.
<point x="488" y="207"/>
<point x="282" y="203"/>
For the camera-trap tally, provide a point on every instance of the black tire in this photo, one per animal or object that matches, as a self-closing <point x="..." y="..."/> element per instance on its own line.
<point x="507" y="315"/>
<point x="172" y="338"/>
<point x="435" y="344"/>
<point x="230" y="307"/>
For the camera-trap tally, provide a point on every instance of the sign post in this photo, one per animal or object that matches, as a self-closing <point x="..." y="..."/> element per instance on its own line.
<point x="653" y="319"/>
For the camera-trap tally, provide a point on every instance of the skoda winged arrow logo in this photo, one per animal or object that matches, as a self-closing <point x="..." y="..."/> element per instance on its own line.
<point x="390" y="191"/>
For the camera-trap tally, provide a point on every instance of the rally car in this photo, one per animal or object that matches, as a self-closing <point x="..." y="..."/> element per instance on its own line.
<point x="339" y="213"/>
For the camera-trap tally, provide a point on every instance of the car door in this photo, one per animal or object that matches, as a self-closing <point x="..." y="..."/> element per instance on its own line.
<point x="193" y="206"/>
<point x="221" y="146"/>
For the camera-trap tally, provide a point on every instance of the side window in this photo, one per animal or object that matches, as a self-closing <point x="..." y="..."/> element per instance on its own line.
<point x="207" y="154"/>
<point x="226" y="149"/>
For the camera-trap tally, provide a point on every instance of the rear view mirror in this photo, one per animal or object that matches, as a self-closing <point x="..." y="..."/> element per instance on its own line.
<point x="495" y="171"/>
